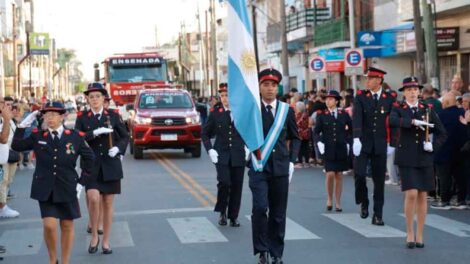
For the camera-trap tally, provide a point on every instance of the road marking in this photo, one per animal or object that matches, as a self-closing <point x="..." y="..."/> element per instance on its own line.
<point x="22" y="242"/>
<point x="120" y="236"/>
<point x="183" y="183"/>
<point x="190" y="179"/>
<point x="196" y="230"/>
<point x="125" y="213"/>
<point x="447" y="225"/>
<point x="364" y="226"/>
<point x="295" y="231"/>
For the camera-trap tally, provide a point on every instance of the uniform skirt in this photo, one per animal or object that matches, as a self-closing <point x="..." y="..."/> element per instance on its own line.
<point x="336" y="165"/>
<point x="421" y="179"/>
<point x="62" y="211"/>
<point x="104" y="187"/>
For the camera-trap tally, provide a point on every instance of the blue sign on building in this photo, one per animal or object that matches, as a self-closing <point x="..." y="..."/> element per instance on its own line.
<point x="380" y="43"/>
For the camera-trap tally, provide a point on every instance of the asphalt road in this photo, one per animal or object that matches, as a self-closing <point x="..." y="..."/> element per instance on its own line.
<point x="164" y="215"/>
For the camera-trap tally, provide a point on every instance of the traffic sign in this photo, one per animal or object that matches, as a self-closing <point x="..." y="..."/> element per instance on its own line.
<point x="318" y="67"/>
<point x="354" y="62"/>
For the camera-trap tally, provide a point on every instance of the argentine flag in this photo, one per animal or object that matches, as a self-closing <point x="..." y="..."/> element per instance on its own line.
<point x="243" y="89"/>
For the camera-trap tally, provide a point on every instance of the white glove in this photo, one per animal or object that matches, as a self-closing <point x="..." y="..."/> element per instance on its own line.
<point x="291" y="171"/>
<point x="247" y="154"/>
<point x="357" y="147"/>
<point x="112" y="152"/>
<point x="390" y="150"/>
<point x="427" y="146"/>
<point x="421" y="124"/>
<point x="102" y="130"/>
<point x="27" y="121"/>
<point x="321" y="147"/>
<point x="213" y="155"/>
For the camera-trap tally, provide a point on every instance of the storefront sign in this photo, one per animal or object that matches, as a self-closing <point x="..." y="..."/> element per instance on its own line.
<point x="334" y="59"/>
<point x="447" y="38"/>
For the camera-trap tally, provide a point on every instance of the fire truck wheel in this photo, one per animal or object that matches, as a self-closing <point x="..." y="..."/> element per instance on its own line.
<point x="138" y="152"/>
<point x="196" y="151"/>
<point x="131" y="147"/>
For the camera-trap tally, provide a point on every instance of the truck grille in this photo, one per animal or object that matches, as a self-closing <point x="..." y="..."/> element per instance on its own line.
<point x="160" y="132"/>
<point x="164" y="121"/>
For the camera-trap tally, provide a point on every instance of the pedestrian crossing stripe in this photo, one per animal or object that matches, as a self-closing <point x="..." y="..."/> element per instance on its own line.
<point x="196" y="230"/>
<point x="295" y="231"/>
<point x="22" y="242"/>
<point x="364" y="226"/>
<point x="447" y="225"/>
<point x="120" y="236"/>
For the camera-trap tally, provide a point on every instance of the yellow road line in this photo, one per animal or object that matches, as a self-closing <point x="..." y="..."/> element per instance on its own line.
<point x="190" y="179"/>
<point x="183" y="183"/>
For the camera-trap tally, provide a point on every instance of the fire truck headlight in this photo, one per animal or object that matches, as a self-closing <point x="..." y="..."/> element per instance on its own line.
<point x="193" y="120"/>
<point x="143" y="120"/>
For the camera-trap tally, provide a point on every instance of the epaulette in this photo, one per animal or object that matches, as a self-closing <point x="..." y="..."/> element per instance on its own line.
<point x="394" y="94"/>
<point x="35" y="130"/>
<point x="82" y="134"/>
<point x="430" y="105"/>
<point x="421" y="105"/>
<point x="396" y="104"/>
<point x="221" y="110"/>
<point x="319" y="112"/>
<point x="67" y="131"/>
<point x="79" y="114"/>
<point x="211" y="110"/>
<point x="359" y="92"/>
<point x="116" y="111"/>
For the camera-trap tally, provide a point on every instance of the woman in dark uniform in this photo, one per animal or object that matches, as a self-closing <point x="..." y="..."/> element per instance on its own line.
<point x="108" y="137"/>
<point x="414" y="155"/>
<point x="333" y="132"/>
<point x="55" y="178"/>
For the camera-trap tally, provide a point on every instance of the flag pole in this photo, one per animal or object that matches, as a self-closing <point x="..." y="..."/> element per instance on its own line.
<point x="255" y="31"/>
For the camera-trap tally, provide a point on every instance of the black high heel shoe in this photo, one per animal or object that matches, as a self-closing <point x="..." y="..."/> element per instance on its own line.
<point x="93" y="250"/>
<point x="410" y="245"/>
<point x="419" y="245"/>
<point x="329" y="207"/>
<point x="107" y="251"/>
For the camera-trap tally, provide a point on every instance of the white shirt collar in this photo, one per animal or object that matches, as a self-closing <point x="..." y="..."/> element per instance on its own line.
<point x="379" y="92"/>
<point x="272" y="104"/>
<point x="59" y="130"/>
<point x="100" y="112"/>
<point x="414" y="105"/>
<point x="335" y="110"/>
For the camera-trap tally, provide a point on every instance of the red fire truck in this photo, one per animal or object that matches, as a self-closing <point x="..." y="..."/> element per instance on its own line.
<point x="126" y="74"/>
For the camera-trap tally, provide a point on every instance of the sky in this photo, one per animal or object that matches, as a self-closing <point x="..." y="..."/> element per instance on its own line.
<point x="96" y="29"/>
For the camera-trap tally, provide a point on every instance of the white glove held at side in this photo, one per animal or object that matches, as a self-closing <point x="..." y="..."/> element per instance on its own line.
<point x="427" y="146"/>
<point x="321" y="147"/>
<point x="112" y="152"/>
<point x="291" y="171"/>
<point x="213" y="155"/>
<point x="357" y="147"/>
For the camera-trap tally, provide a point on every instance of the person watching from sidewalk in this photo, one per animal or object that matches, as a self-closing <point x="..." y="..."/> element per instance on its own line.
<point x="457" y="84"/>
<point x="55" y="178"/>
<point x="448" y="160"/>
<point x="102" y="128"/>
<point x="8" y="127"/>
<point x="428" y="98"/>
<point x="333" y="131"/>
<point x="301" y="117"/>
<point x="414" y="155"/>
<point x="229" y="155"/>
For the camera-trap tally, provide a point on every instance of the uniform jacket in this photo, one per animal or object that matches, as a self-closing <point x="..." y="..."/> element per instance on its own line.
<point x="456" y="135"/>
<point x="335" y="133"/>
<point x="281" y="156"/>
<point x="409" y="149"/>
<point x="87" y="122"/>
<point x="370" y="122"/>
<point x="228" y="142"/>
<point x="55" y="167"/>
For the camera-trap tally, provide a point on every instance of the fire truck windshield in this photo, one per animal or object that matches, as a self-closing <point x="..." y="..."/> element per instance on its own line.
<point x="165" y="100"/>
<point x="134" y="73"/>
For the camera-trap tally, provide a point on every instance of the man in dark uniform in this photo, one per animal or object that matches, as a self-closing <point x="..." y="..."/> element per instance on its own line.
<point x="55" y="178"/>
<point x="229" y="155"/>
<point x="371" y="141"/>
<point x="108" y="137"/>
<point x="270" y="186"/>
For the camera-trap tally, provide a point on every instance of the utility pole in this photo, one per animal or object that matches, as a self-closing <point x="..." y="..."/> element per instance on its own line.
<point x="420" y="66"/>
<point x="214" y="47"/>
<point x="206" y="48"/>
<point x="431" y="45"/>
<point x="284" y="52"/>
<point x="202" y="73"/>
<point x="352" y="38"/>
<point x="16" y="85"/>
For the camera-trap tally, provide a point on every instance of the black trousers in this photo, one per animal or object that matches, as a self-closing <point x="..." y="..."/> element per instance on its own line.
<point x="229" y="189"/>
<point x="452" y="172"/>
<point x="268" y="229"/>
<point x="378" y="165"/>
<point x="304" y="153"/>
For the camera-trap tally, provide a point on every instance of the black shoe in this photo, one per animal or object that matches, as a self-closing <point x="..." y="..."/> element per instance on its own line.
<point x="93" y="250"/>
<point x="338" y="209"/>
<point x="263" y="258"/>
<point x="376" y="220"/>
<point x="410" y="244"/>
<point x="275" y="260"/>
<point x="419" y="245"/>
<point x="329" y="207"/>
<point x="107" y="251"/>
<point x="364" y="210"/>
<point x="223" y="219"/>
<point x="234" y="223"/>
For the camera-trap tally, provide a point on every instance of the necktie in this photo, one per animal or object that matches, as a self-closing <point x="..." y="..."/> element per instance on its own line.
<point x="97" y="116"/>
<point x="333" y="114"/>
<point x="270" y="112"/>
<point x="376" y="99"/>
<point x="56" y="139"/>
<point x="414" y="109"/>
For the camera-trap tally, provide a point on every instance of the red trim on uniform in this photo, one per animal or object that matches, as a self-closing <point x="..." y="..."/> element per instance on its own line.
<point x="394" y="94"/>
<point x="116" y="111"/>
<point x="387" y="127"/>
<point x="405" y="106"/>
<point x="47" y="109"/>
<point x="45" y="134"/>
<point x="258" y="154"/>
<point x="396" y="104"/>
<point x="105" y="112"/>
<point x="319" y="112"/>
<point x="223" y="90"/>
<point x="79" y="114"/>
<point x="421" y="106"/>
<point x="89" y="114"/>
<point x="430" y="105"/>
<point x="359" y="92"/>
<point x="368" y="94"/>
<point x="384" y="95"/>
<point x="82" y="134"/>
<point x="211" y="110"/>
<point x="221" y="110"/>
<point x="411" y="84"/>
<point x="373" y="73"/>
<point x="327" y="112"/>
<point x="67" y="132"/>
<point x="269" y="77"/>
<point x="35" y="130"/>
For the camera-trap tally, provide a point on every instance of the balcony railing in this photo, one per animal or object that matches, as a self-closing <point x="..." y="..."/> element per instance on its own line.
<point x="331" y="31"/>
<point x="306" y="18"/>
